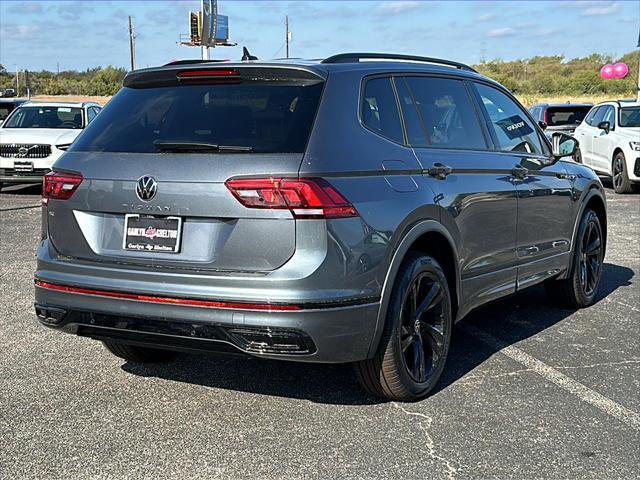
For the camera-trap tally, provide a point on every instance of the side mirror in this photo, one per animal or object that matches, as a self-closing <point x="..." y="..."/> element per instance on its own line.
<point x="542" y="125"/>
<point x="564" y="145"/>
<point x="606" y="126"/>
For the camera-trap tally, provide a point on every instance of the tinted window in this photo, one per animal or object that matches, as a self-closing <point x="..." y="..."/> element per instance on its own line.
<point x="513" y="129"/>
<point x="415" y="128"/>
<point x="45" y="117"/>
<point x="91" y="114"/>
<point x="589" y="119"/>
<point x="630" y="117"/>
<point x="558" y="116"/>
<point x="599" y="116"/>
<point x="609" y="115"/>
<point x="379" y="109"/>
<point x="447" y="113"/>
<point x="267" y="118"/>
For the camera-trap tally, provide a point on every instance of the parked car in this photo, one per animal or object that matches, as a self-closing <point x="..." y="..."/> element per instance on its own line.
<point x="8" y="92"/>
<point x="35" y="135"/>
<point x="7" y="106"/>
<point x="560" y="117"/>
<point x="344" y="210"/>
<point x="610" y="142"/>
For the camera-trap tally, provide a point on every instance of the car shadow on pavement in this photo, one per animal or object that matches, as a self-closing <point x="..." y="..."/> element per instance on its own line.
<point x="511" y="320"/>
<point x="31" y="189"/>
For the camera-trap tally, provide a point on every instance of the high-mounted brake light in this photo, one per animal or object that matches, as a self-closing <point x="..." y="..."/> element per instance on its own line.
<point x="305" y="198"/>
<point x="219" y="75"/>
<point x="59" y="186"/>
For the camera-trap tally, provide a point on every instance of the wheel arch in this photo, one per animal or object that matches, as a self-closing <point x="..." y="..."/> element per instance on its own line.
<point x="434" y="239"/>
<point x="594" y="200"/>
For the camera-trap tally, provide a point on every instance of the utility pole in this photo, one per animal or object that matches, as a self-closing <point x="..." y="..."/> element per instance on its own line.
<point x="58" y="67"/>
<point x="17" y="82"/>
<point x="132" y="45"/>
<point x="287" y="34"/>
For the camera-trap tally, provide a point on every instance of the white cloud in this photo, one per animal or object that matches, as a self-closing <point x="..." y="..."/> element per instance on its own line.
<point x="397" y="7"/>
<point x="501" y="32"/>
<point x="19" y="32"/>
<point x="485" y="17"/>
<point x="602" y="9"/>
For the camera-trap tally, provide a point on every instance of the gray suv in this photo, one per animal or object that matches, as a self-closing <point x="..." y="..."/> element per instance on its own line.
<point x="344" y="210"/>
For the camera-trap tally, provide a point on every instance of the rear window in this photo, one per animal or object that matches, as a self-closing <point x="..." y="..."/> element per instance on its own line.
<point x="560" y="116"/>
<point x="263" y="118"/>
<point x="45" y="117"/>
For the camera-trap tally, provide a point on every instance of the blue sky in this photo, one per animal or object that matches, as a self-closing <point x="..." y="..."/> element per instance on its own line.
<point x="82" y="34"/>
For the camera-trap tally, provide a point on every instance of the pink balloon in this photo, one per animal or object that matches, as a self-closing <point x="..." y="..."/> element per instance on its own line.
<point x="620" y="70"/>
<point x="607" y="72"/>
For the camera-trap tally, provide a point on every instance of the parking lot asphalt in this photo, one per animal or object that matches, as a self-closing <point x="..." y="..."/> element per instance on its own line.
<point x="529" y="391"/>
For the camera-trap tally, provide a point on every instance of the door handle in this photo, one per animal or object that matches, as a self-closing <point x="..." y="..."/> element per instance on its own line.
<point x="439" y="171"/>
<point x="519" y="172"/>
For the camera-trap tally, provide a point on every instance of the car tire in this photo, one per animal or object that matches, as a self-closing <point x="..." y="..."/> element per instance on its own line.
<point x="415" y="342"/>
<point x="579" y="289"/>
<point x="137" y="354"/>
<point x="620" y="177"/>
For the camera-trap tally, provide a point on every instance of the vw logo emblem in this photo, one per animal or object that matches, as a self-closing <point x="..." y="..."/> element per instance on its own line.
<point x="146" y="188"/>
<point x="22" y="152"/>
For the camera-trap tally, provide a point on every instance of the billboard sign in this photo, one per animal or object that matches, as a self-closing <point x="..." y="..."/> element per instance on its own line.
<point x="221" y="33"/>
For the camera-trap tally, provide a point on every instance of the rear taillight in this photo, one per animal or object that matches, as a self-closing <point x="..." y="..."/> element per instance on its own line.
<point x="305" y="198"/>
<point x="59" y="186"/>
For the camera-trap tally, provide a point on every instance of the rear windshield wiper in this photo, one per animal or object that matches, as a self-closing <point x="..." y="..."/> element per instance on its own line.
<point x="197" y="147"/>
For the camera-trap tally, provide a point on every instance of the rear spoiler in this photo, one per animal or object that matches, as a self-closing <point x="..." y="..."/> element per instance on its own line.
<point x="222" y="72"/>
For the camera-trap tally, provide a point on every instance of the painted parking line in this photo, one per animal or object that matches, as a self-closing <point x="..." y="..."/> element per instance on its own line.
<point x="570" y="385"/>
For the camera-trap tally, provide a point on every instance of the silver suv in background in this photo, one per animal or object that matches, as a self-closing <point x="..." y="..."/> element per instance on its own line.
<point x="344" y="210"/>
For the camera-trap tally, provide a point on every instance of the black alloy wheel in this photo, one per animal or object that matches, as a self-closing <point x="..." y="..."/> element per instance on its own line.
<point x="590" y="257"/>
<point x="579" y="288"/>
<point x="621" y="182"/>
<point x="422" y="328"/>
<point x="415" y="342"/>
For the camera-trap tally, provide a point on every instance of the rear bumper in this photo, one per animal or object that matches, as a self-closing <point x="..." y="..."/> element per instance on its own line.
<point x="317" y="334"/>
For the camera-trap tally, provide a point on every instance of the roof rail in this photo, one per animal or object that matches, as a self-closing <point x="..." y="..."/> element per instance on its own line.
<point x="357" y="57"/>
<point x="192" y="61"/>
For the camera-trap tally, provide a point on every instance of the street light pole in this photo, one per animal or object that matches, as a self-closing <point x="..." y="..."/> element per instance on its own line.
<point x="132" y="45"/>
<point x="286" y="32"/>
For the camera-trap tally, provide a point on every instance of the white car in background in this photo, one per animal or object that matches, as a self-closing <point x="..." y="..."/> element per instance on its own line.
<point x="35" y="135"/>
<point x="609" y="140"/>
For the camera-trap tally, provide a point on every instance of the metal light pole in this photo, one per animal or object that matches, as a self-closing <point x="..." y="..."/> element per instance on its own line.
<point x="132" y="45"/>
<point x="17" y="82"/>
<point x="286" y="33"/>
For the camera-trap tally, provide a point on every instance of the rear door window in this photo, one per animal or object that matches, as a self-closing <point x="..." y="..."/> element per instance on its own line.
<point x="447" y="113"/>
<point x="379" y="109"/>
<point x="260" y="117"/>
<point x="512" y="127"/>
<point x="416" y="134"/>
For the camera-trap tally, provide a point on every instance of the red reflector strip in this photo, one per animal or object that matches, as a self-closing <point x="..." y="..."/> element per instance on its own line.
<point x="169" y="300"/>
